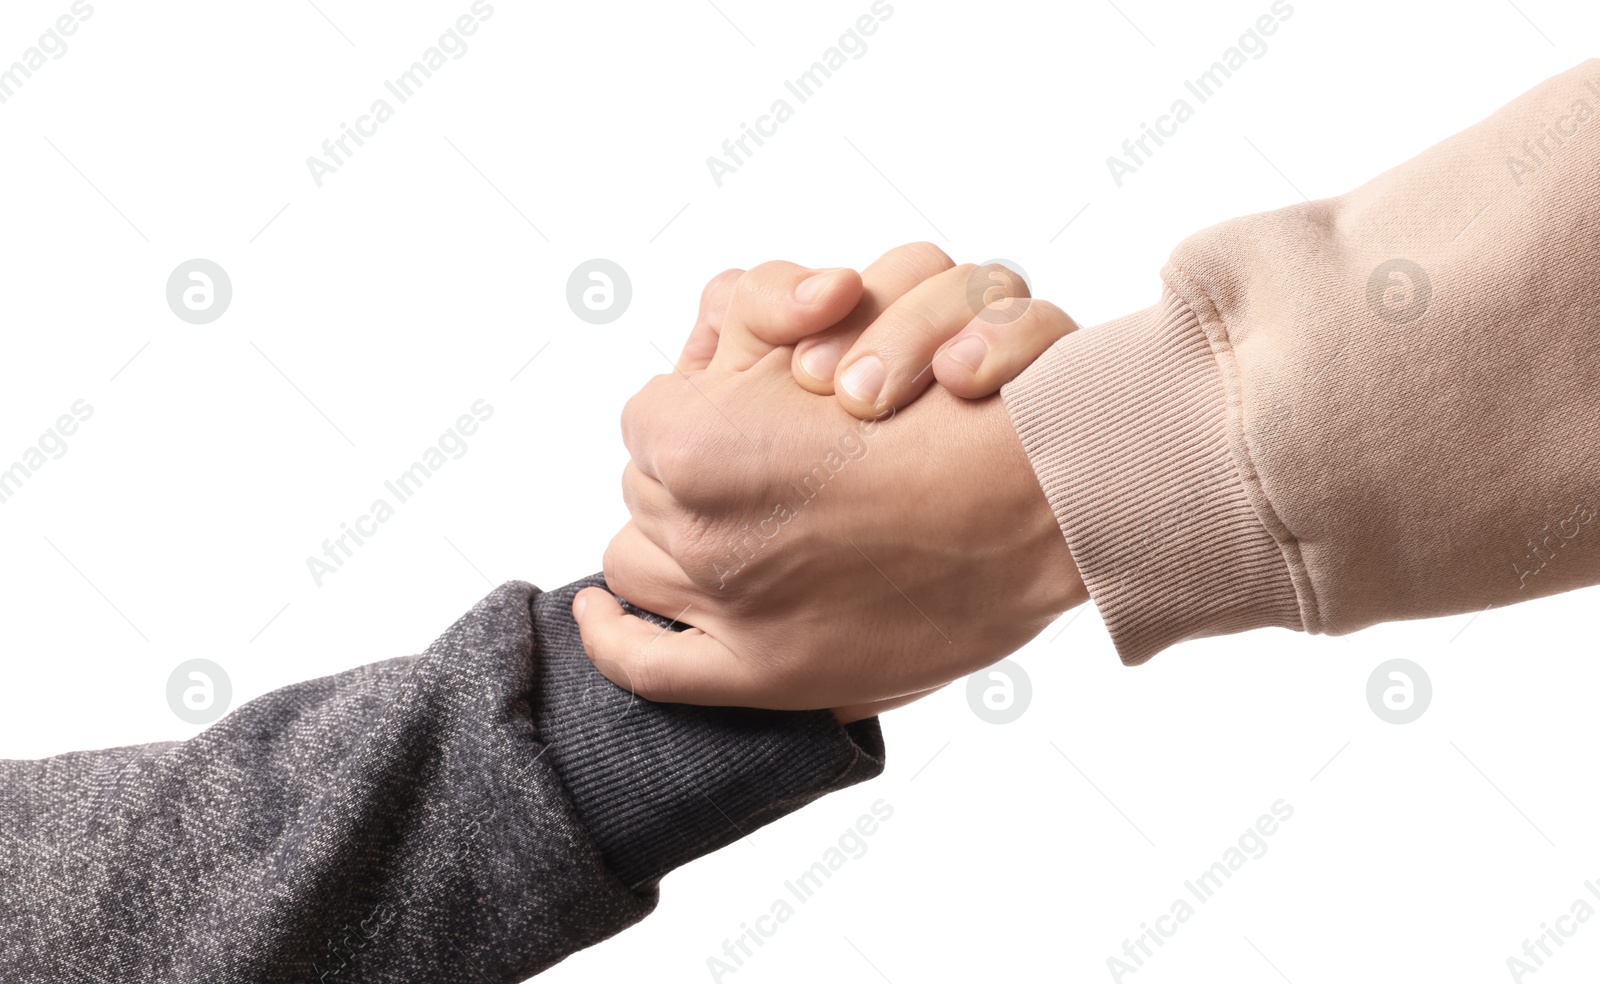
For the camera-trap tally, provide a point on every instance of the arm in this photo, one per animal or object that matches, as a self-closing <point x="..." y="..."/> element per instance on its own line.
<point x="1373" y="407"/>
<point x="1380" y="406"/>
<point x="475" y="813"/>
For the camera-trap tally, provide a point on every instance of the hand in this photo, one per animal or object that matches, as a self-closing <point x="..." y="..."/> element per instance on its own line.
<point x="974" y="327"/>
<point x="917" y="318"/>
<point x="745" y="315"/>
<point x="864" y="582"/>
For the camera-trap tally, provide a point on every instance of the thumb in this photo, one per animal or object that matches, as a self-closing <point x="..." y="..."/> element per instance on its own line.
<point x="687" y="667"/>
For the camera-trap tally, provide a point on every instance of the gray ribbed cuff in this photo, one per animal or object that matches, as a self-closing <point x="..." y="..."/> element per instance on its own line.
<point x="658" y="785"/>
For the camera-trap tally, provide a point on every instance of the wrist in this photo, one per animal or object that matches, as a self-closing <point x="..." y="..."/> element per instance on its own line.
<point x="1131" y="432"/>
<point x="657" y="785"/>
<point x="1040" y="546"/>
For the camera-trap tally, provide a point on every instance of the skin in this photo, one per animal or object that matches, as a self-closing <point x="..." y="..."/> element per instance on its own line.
<point x="923" y="549"/>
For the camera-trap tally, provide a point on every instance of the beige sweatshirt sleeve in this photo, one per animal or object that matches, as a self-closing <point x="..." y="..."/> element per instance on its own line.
<point x="1380" y="406"/>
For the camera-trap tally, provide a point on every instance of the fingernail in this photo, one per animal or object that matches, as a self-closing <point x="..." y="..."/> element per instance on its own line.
<point x="864" y="379"/>
<point x="809" y="289"/>
<point x="578" y="606"/>
<point x="969" y="351"/>
<point x="820" y="360"/>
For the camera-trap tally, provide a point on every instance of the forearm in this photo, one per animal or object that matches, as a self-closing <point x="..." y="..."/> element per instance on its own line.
<point x="1348" y="411"/>
<point x="474" y="813"/>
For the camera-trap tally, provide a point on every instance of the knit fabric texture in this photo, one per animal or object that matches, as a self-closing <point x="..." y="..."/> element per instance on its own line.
<point x="475" y="813"/>
<point x="1359" y="409"/>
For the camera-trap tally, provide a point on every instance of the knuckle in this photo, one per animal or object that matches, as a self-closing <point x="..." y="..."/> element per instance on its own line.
<point x="639" y="423"/>
<point x="1057" y="320"/>
<point x="700" y="464"/>
<point x="679" y="456"/>
<point x="721" y="282"/>
<point x="675" y="467"/>
<point x="1004" y="316"/>
<point x="1032" y="323"/>
<point x="683" y="473"/>
<point x="632" y="410"/>
<point x="992" y="282"/>
<point x="913" y="326"/>
<point x="719" y="290"/>
<point x="746" y="291"/>
<point x="642" y="496"/>
<point x="628" y="421"/>
<point x="1005" y="279"/>
<point x="924" y="258"/>
<point x="759" y="281"/>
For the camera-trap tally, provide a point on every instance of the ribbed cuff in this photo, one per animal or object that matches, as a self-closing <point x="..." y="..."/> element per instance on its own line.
<point x="1128" y="429"/>
<point x="658" y="785"/>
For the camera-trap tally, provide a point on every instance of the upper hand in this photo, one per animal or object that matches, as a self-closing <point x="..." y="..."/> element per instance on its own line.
<point x="880" y="338"/>
<point x="824" y="561"/>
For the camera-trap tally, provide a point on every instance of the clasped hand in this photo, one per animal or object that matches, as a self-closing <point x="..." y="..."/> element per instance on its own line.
<point x="837" y="537"/>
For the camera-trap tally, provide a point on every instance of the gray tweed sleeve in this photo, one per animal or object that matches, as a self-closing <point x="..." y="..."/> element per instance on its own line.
<point x="475" y="813"/>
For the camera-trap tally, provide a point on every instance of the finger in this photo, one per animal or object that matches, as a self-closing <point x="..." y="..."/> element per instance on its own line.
<point x="659" y="419"/>
<point x="889" y="365"/>
<point x="687" y="667"/>
<point x="714" y="300"/>
<point x="640" y="570"/>
<point x="666" y="520"/>
<point x="649" y="503"/>
<point x="779" y="303"/>
<point x="991" y="351"/>
<point x="888" y="278"/>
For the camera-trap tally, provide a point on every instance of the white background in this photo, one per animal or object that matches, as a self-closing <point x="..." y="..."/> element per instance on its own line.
<point x="414" y="282"/>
